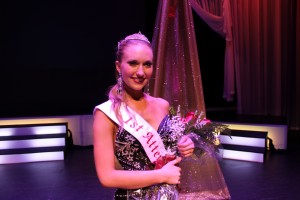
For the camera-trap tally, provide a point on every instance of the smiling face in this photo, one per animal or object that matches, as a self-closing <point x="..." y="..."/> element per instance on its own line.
<point x="135" y="66"/>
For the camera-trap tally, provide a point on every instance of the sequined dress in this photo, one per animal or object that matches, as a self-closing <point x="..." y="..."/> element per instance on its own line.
<point x="201" y="176"/>
<point x="132" y="156"/>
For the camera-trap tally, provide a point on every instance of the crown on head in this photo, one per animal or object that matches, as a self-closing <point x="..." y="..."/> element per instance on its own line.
<point x="136" y="36"/>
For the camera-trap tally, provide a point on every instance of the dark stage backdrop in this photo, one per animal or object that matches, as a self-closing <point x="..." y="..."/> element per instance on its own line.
<point x="57" y="57"/>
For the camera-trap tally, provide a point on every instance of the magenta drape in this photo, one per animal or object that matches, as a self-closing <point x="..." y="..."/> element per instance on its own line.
<point x="266" y="53"/>
<point x="261" y="57"/>
<point x="296" y="112"/>
<point x="177" y="73"/>
<point x="178" y="80"/>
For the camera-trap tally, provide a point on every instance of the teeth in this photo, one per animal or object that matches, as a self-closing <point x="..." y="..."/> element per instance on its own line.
<point x="138" y="79"/>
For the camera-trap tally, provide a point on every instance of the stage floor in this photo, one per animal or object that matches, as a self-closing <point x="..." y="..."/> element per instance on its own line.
<point x="75" y="178"/>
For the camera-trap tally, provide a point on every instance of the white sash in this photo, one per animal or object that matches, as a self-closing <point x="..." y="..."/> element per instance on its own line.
<point x="139" y="128"/>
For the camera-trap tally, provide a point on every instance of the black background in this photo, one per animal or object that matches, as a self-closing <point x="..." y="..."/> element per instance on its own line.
<point x="57" y="57"/>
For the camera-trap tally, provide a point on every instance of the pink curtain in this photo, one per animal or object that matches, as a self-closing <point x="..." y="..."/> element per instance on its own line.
<point x="296" y="112"/>
<point x="177" y="74"/>
<point x="178" y="79"/>
<point x="262" y="54"/>
<point x="267" y="73"/>
<point x="217" y="14"/>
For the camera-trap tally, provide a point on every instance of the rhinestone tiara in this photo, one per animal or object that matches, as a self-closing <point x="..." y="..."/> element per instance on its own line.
<point x="136" y="36"/>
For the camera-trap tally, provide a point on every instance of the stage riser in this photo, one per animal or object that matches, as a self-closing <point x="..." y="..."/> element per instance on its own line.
<point x="32" y="142"/>
<point x="31" y="157"/>
<point x="235" y="140"/>
<point x="35" y="143"/>
<point x="245" y="145"/>
<point x="276" y="132"/>
<point x="244" y="156"/>
<point x="31" y="129"/>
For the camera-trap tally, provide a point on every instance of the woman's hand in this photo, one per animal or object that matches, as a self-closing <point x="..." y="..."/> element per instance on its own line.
<point x="185" y="146"/>
<point x="171" y="172"/>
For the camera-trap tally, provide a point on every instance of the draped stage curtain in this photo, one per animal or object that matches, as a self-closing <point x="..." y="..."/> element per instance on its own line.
<point x="178" y="79"/>
<point x="177" y="74"/>
<point x="296" y="112"/>
<point x="267" y="73"/>
<point x="217" y="15"/>
<point x="261" y="58"/>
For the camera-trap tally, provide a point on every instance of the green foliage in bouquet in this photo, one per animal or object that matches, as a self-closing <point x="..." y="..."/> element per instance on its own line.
<point x="195" y="122"/>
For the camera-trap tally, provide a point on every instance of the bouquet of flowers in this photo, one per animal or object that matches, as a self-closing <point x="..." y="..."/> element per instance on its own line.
<point x="202" y="131"/>
<point x="195" y="123"/>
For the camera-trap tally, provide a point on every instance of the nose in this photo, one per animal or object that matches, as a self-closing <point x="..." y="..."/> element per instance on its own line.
<point x="140" y="72"/>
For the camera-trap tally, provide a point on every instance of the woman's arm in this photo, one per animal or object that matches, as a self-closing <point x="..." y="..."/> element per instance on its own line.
<point x="104" y="156"/>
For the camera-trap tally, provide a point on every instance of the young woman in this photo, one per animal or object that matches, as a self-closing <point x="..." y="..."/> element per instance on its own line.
<point x="131" y="132"/>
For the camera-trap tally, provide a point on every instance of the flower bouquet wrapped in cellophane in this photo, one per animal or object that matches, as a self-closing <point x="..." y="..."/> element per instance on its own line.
<point x="204" y="132"/>
<point x="201" y="176"/>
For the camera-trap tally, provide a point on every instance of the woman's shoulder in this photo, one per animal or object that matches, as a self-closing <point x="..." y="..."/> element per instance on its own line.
<point x="159" y="102"/>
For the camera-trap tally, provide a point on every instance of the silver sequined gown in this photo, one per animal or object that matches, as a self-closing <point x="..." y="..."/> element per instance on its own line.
<point x="197" y="185"/>
<point x="132" y="156"/>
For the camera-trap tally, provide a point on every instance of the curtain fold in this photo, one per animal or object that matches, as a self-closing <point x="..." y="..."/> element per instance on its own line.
<point x="259" y="57"/>
<point x="295" y="124"/>
<point x="177" y="73"/>
<point x="262" y="55"/>
<point x="267" y="73"/>
<point x="217" y="15"/>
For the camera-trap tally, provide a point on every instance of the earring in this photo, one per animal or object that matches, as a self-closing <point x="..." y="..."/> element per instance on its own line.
<point x="120" y="84"/>
<point x="147" y="88"/>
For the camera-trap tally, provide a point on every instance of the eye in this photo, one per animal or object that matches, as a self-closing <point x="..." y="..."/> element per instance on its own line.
<point x="148" y="64"/>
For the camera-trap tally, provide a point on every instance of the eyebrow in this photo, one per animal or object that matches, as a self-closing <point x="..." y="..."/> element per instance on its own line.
<point x="148" y="62"/>
<point x="135" y="61"/>
<point x="132" y="61"/>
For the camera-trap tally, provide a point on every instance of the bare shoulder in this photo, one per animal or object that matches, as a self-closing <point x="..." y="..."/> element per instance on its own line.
<point x="100" y="116"/>
<point x="102" y="122"/>
<point x="163" y="102"/>
<point x="160" y="103"/>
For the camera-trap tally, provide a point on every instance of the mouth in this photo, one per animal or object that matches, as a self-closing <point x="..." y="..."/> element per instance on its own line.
<point x="138" y="80"/>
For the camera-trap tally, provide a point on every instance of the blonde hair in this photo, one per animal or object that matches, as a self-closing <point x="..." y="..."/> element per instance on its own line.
<point x="119" y="98"/>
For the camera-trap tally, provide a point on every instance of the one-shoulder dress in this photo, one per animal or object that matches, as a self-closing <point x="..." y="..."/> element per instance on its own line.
<point x="131" y="155"/>
<point x="201" y="176"/>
